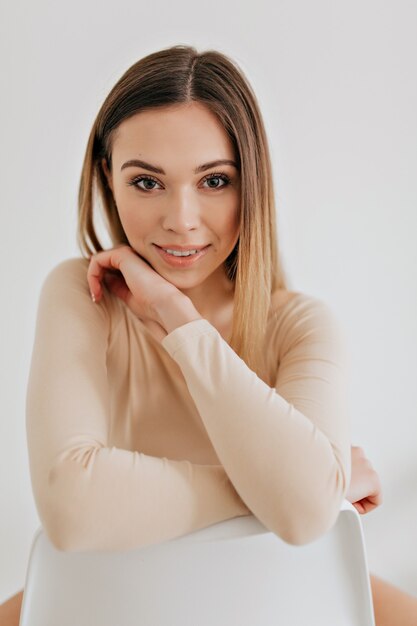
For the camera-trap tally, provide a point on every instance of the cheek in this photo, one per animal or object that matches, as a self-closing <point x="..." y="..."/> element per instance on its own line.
<point x="136" y="223"/>
<point x="230" y="224"/>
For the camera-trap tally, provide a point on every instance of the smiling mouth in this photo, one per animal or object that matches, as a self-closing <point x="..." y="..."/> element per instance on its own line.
<point x="180" y="260"/>
<point x="183" y="248"/>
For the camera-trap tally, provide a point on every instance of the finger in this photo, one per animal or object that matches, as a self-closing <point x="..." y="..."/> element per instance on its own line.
<point x="359" y="507"/>
<point x="370" y="503"/>
<point x="363" y="506"/>
<point x="95" y="274"/>
<point x="369" y="506"/>
<point x="376" y="499"/>
<point x="99" y="264"/>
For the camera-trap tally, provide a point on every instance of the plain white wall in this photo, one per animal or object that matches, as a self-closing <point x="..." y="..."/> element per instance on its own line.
<point x="336" y="82"/>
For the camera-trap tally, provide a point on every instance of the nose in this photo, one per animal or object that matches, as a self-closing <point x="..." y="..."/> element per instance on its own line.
<point x="182" y="212"/>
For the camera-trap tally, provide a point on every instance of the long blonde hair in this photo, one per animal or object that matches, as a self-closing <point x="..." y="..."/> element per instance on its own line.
<point x="179" y="74"/>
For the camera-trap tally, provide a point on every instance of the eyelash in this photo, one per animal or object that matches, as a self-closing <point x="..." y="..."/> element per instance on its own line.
<point x="138" y="179"/>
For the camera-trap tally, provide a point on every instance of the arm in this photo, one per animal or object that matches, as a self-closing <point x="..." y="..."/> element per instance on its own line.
<point x="285" y="448"/>
<point x="89" y="494"/>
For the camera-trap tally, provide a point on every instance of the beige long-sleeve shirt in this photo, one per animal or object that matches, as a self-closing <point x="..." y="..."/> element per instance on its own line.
<point x="133" y="442"/>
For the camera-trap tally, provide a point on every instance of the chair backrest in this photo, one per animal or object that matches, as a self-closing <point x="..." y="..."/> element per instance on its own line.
<point x="235" y="573"/>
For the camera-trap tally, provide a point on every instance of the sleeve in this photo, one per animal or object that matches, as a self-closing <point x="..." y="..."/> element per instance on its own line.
<point x="90" y="495"/>
<point x="286" y="449"/>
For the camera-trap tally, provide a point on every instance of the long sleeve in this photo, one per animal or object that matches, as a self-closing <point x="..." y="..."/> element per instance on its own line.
<point x="89" y="494"/>
<point x="285" y="448"/>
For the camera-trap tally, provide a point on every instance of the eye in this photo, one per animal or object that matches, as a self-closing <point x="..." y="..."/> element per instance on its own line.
<point x="138" y="179"/>
<point x="217" y="177"/>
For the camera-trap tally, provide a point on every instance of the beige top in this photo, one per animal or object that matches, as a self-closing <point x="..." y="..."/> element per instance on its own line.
<point x="133" y="442"/>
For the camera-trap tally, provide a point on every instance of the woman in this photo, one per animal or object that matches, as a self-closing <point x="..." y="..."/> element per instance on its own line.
<point x="192" y="386"/>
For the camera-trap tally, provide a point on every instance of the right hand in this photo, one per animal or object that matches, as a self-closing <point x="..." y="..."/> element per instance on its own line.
<point x="132" y="279"/>
<point x="365" y="487"/>
<point x="113" y="284"/>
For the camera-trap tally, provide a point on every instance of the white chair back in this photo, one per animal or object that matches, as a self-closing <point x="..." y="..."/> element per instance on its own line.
<point x="235" y="573"/>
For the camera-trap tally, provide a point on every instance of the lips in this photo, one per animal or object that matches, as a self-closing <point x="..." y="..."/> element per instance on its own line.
<point x="182" y="261"/>
<point x="182" y="248"/>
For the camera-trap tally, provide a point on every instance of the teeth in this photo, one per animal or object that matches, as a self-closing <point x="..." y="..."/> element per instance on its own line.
<point x="179" y="253"/>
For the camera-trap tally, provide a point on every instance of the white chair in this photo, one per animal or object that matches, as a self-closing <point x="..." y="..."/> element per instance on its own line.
<point x="235" y="573"/>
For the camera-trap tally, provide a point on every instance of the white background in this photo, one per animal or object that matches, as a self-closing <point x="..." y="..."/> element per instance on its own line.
<point x="336" y="83"/>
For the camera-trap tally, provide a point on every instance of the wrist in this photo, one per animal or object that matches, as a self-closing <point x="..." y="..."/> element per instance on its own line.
<point x="174" y="311"/>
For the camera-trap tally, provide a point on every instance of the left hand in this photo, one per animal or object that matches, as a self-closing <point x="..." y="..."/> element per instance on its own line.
<point x="365" y="487"/>
<point x="133" y="280"/>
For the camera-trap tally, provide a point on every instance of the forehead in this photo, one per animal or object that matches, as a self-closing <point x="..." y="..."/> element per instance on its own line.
<point x="178" y="131"/>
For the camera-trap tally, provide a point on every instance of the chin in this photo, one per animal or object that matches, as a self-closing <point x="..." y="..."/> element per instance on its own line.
<point x="182" y="281"/>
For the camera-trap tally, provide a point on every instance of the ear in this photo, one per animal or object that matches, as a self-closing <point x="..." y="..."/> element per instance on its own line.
<point x="107" y="173"/>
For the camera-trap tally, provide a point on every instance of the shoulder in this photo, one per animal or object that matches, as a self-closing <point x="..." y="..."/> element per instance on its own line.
<point x="70" y="271"/>
<point x="66" y="286"/>
<point x="300" y="317"/>
<point x="68" y="275"/>
<point x="66" y="281"/>
<point x="296" y="305"/>
<point x="281" y="297"/>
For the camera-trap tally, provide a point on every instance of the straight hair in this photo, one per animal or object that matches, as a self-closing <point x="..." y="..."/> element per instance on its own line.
<point x="177" y="75"/>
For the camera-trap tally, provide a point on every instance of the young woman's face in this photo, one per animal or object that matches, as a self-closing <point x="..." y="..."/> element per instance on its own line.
<point x="189" y="203"/>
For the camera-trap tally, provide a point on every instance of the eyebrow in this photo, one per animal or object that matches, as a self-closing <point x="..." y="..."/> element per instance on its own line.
<point x="159" y="170"/>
